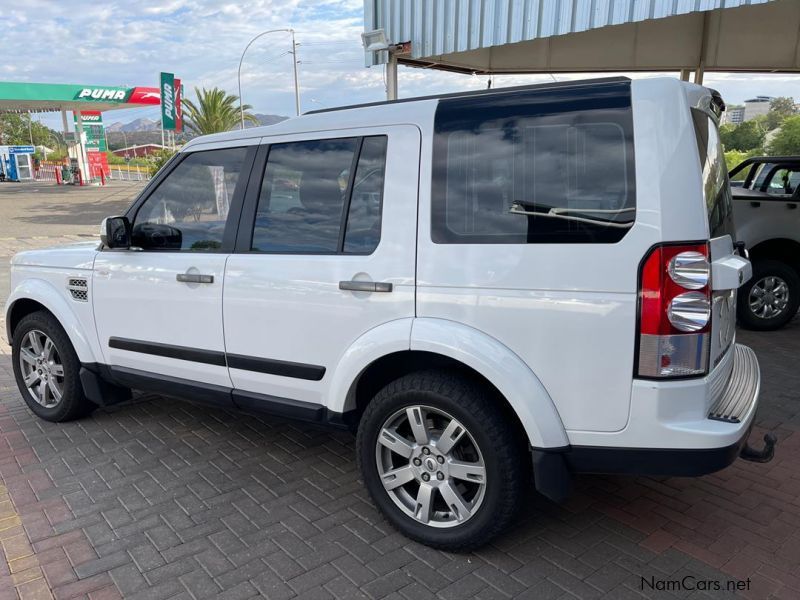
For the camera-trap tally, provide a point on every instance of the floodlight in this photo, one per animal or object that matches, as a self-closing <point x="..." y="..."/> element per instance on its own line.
<point x="375" y="40"/>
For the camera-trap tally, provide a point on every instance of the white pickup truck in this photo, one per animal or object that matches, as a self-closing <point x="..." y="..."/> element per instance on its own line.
<point x="766" y="194"/>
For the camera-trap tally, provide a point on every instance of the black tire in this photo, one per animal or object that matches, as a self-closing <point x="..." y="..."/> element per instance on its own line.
<point x="73" y="403"/>
<point x="762" y="269"/>
<point x="504" y="452"/>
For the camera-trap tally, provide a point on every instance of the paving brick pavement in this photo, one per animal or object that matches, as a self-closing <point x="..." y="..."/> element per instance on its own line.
<point x="162" y="498"/>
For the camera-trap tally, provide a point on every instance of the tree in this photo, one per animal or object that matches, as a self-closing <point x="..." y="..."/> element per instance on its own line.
<point x="787" y="139"/>
<point x="743" y="137"/>
<point x="215" y="111"/>
<point x="779" y="110"/>
<point x="17" y="129"/>
<point x="159" y="159"/>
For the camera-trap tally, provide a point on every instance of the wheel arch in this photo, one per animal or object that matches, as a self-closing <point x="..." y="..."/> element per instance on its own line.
<point x="783" y="249"/>
<point x="36" y="294"/>
<point x="400" y="347"/>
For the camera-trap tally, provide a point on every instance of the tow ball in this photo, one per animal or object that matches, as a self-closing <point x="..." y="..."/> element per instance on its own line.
<point x="763" y="455"/>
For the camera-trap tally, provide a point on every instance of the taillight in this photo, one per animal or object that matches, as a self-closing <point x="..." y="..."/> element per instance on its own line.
<point x="675" y="311"/>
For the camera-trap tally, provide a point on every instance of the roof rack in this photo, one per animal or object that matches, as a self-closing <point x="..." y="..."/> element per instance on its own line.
<point x="505" y="90"/>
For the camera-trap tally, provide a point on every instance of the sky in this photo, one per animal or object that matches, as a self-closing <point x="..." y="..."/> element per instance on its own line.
<point x="129" y="42"/>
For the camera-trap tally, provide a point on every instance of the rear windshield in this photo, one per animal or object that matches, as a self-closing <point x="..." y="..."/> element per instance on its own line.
<point x="716" y="187"/>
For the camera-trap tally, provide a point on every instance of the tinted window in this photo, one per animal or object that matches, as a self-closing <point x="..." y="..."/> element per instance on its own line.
<point x="783" y="182"/>
<point x="716" y="187"/>
<point x="302" y="196"/>
<point x="308" y="186"/>
<point x="534" y="167"/>
<point x="364" y="218"/>
<point x="189" y="208"/>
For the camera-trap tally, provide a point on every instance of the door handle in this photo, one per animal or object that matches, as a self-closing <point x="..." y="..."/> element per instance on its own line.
<point x="194" y="278"/>
<point x="365" y="286"/>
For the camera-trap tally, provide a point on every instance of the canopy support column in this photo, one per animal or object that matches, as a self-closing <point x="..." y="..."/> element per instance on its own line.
<point x="391" y="77"/>
<point x="701" y="59"/>
<point x="64" y="123"/>
<point x="685" y="74"/>
<point x="83" y="159"/>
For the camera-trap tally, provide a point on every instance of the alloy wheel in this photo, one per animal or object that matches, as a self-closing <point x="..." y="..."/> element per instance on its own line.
<point x="431" y="466"/>
<point x="769" y="297"/>
<point x="42" y="369"/>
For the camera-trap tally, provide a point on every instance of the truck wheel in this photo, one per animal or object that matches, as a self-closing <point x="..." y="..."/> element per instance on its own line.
<point x="441" y="460"/>
<point x="770" y="299"/>
<point x="47" y="369"/>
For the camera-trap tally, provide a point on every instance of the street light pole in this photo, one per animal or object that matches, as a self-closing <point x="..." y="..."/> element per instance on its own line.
<point x="294" y="58"/>
<point x="296" y="86"/>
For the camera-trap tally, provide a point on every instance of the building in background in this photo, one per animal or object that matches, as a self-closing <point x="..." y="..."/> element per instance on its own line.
<point x="139" y="151"/>
<point x="756" y="107"/>
<point x="733" y="115"/>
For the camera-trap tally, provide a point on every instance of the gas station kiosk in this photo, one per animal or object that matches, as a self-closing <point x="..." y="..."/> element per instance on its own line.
<point x="16" y="162"/>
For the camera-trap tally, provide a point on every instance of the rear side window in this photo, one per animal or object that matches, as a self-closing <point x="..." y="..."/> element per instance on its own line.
<point x="716" y="187"/>
<point x="364" y="217"/>
<point x="549" y="166"/>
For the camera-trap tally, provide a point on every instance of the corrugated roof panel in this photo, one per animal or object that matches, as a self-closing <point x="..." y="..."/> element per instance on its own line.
<point x="437" y="27"/>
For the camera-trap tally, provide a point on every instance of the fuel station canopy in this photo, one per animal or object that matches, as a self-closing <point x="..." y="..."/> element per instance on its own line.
<point x="23" y="97"/>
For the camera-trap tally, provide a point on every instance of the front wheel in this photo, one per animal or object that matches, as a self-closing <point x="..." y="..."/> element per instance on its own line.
<point x="47" y="369"/>
<point x="771" y="298"/>
<point x="442" y="460"/>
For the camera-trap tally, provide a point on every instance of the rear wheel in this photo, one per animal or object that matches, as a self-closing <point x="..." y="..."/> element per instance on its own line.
<point x="771" y="298"/>
<point x="47" y="369"/>
<point x="442" y="460"/>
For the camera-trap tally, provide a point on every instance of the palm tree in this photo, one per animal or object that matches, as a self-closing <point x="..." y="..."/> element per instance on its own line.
<point x="215" y="111"/>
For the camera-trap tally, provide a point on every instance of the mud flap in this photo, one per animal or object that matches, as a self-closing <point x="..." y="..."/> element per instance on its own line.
<point x="100" y="391"/>
<point x="551" y="476"/>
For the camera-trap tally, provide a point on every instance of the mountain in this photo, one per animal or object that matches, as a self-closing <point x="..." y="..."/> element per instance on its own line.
<point x="268" y="119"/>
<point x="151" y="125"/>
<point x="135" y="125"/>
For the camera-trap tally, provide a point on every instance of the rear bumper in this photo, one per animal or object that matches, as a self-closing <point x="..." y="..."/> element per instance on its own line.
<point x="676" y="429"/>
<point x="678" y="462"/>
<point x="706" y="413"/>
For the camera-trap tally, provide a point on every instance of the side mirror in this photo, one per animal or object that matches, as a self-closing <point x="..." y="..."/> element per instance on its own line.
<point x="115" y="232"/>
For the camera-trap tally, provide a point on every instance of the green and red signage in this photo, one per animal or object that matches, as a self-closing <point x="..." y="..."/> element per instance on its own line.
<point x="92" y="121"/>
<point x="167" y="101"/>
<point x="57" y="96"/>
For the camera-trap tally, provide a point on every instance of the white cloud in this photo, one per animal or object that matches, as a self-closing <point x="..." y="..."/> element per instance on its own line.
<point x="128" y="43"/>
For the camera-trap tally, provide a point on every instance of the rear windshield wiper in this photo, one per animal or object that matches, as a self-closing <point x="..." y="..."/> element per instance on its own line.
<point x="583" y="215"/>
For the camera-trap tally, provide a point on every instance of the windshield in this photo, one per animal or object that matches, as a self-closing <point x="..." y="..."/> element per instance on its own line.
<point x="716" y="187"/>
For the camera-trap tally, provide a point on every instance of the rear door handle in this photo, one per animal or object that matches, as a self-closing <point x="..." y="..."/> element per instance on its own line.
<point x="194" y="278"/>
<point x="365" y="286"/>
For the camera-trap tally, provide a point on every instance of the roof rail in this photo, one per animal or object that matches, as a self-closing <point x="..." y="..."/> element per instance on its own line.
<point x="468" y="93"/>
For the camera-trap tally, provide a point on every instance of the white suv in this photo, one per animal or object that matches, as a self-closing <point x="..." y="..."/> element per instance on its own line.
<point x="484" y="285"/>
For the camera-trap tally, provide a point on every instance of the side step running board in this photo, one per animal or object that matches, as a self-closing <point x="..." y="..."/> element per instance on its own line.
<point x="763" y="455"/>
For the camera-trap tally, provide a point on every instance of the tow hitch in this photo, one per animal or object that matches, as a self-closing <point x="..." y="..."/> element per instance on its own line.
<point x="763" y="455"/>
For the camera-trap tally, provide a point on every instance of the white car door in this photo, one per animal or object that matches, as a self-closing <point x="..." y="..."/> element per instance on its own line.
<point x="326" y="252"/>
<point x="158" y="306"/>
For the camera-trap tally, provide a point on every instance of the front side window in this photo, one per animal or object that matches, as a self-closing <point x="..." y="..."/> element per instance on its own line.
<point x="526" y="168"/>
<point x="321" y="197"/>
<point x="189" y="209"/>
